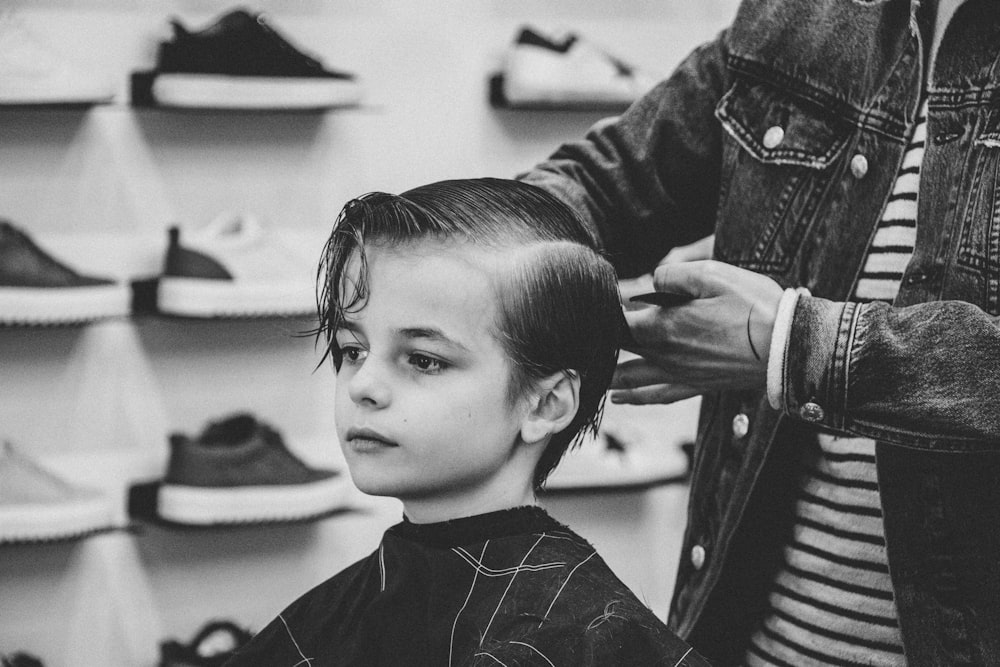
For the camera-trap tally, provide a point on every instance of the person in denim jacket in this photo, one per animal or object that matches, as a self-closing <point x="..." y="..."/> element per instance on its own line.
<point x="787" y="138"/>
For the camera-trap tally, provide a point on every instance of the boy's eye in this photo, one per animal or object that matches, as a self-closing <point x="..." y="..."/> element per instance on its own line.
<point x="426" y="364"/>
<point x="353" y="354"/>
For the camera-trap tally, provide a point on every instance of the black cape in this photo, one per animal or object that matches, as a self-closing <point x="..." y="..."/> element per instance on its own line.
<point x="513" y="587"/>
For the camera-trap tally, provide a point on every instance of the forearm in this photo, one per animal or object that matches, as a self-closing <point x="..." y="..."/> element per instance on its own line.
<point x="925" y="376"/>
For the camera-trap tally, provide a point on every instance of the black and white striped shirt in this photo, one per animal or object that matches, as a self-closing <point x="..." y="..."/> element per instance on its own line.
<point x="832" y="602"/>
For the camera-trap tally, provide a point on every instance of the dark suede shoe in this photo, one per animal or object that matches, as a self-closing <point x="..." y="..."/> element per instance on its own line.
<point x="240" y="471"/>
<point x="36" y="288"/>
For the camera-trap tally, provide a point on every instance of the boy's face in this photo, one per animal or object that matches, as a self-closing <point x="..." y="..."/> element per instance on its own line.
<point x="422" y="408"/>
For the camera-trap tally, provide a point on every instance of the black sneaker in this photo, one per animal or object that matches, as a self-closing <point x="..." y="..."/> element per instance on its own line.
<point x="36" y="288"/>
<point x="20" y="659"/>
<point x="240" y="62"/>
<point x="212" y="646"/>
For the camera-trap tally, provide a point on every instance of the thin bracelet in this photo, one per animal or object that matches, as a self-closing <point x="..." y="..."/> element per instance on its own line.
<point x="749" y="339"/>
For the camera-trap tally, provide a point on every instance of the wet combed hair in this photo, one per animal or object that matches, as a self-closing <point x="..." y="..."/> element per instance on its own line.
<point x="559" y="307"/>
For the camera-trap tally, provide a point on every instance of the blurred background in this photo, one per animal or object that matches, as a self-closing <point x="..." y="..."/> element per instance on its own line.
<point x="99" y="185"/>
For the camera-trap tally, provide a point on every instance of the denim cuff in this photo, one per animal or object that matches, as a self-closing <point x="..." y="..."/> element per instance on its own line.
<point x="813" y="381"/>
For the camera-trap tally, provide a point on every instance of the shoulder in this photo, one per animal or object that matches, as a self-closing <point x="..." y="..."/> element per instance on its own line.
<point x="316" y="614"/>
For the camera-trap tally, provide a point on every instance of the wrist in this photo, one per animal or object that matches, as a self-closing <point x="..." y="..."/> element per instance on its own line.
<point x="760" y="326"/>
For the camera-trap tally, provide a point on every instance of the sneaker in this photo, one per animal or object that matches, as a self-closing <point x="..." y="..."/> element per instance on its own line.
<point x="37" y="505"/>
<point x="233" y="268"/>
<point x="36" y="288"/>
<point x="240" y="471"/>
<point x="565" y="71"/>
<point x="215" y="643"/>
<point x="240" y="62"/>
<point x="20" y="659"/>
<point x="32" y="73"/>
<point x="618" y="458"/>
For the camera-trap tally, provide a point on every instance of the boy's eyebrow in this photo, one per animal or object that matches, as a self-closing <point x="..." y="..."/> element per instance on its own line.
<point x="347" y="325"/>
<point x="432" y="333"/>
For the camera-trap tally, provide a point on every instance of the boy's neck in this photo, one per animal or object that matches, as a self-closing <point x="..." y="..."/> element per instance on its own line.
<point x="438" y="509"/>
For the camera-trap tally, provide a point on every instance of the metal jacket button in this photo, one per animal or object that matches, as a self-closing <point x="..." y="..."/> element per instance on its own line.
<point x="741" y="425"/>
<point x="698" y="556"/>
<point x="773" y="136"/>
<point x="859" y="166"/>
<point x="811" y="412"/>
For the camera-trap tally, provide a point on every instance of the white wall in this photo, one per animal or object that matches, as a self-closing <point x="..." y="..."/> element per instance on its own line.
<point x="99" y="188"/>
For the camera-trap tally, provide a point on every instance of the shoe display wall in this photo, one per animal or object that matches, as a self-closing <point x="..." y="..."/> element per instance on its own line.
<point x="171" y="147"/>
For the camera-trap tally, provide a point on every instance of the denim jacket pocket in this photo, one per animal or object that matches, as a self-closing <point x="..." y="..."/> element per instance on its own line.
<point x="777" y="156"/>
<point x="979" y="249"/>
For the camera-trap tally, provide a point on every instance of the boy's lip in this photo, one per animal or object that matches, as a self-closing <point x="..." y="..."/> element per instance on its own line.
<point x="368" y="435"/>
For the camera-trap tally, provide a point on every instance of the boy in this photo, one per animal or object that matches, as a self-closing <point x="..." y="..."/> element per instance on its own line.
<point x="474" y="330"/>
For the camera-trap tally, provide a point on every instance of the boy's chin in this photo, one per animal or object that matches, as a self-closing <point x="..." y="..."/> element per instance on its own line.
<point x="373" y="485"/>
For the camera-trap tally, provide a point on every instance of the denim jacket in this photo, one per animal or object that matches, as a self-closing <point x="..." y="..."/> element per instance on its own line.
<point x="842" y="80"/>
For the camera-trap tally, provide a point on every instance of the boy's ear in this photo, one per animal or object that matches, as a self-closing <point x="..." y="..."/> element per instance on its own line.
<point x="553" y="406"/>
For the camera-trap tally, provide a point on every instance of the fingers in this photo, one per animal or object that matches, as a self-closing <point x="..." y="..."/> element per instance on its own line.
<point x="645" y="326"/>
<point x="700" y="279"/>
<point x="654" y="395"/>
<point x="638" y="373"/>
<point x="692" y="252"/>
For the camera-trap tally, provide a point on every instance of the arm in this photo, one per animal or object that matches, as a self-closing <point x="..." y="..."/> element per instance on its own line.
<point x="648" y="180"/>
<point x="925" y="376"/>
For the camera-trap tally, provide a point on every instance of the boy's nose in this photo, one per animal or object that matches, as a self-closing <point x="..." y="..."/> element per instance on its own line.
<point x="368" y="385"/>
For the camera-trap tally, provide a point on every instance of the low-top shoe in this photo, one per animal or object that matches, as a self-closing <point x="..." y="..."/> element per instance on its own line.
<point x="36" y="288"/>
<point x="212" y="646"/>
<point x="240" y="61"/>
<point x="38" y="505"/>
<point x="566" y="71"/>
<point x="234" y="267"/>
<point x="239" y="470"/>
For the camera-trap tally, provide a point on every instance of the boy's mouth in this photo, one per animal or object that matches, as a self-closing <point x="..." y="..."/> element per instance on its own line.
<point x="365" y="439"/>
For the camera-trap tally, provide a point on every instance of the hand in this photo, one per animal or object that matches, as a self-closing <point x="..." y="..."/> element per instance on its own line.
<point x="708" y="344"/>
<point x="692" y="252"/>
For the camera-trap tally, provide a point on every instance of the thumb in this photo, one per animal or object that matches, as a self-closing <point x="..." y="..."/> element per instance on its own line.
<point x="700" y="279"/>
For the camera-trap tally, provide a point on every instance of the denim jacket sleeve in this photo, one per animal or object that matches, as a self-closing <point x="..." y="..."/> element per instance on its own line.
<point x="648" y="180"/>
<point x="925" y="376"/>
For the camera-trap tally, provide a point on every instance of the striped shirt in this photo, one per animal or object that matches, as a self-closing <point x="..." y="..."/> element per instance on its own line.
<point x="832" y="602"/>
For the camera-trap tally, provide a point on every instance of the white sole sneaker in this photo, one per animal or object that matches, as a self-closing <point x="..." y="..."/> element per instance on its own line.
<point x="218" y="91"/>
<point x="63" y="305"/>
<point x="204" y="297"/>
<point x="17" y="93"/>
<point x="251" y="504"/>
<point x="57" y="521"/>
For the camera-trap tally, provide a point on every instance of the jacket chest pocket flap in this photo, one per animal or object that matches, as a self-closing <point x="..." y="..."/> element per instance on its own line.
<point x="776" y="169"/>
